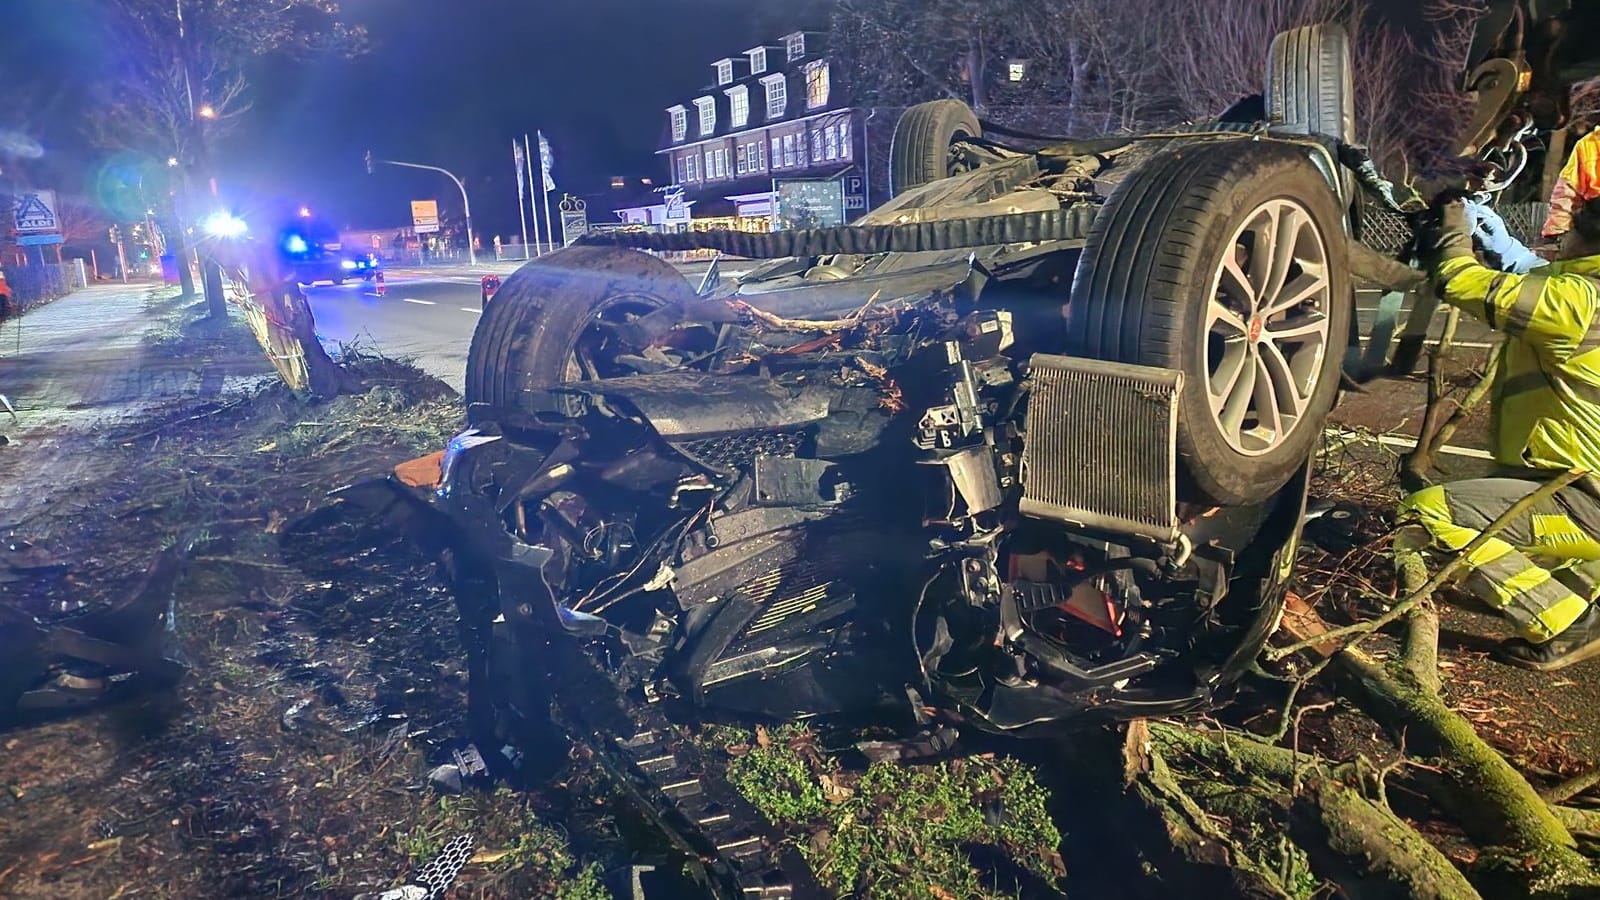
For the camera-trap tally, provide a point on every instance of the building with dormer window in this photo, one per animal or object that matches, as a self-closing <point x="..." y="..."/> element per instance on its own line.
<point x="765" y="114"/>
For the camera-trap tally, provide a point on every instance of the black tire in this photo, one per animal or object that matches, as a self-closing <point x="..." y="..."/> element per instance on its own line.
<point x="528" y="335"/>
<point x="1310" y="82"/>
<point x="1144" y="285"/>
<point x="920" y="150"/>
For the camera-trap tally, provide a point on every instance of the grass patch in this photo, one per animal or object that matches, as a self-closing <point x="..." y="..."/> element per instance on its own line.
<point x="898" y="830"/>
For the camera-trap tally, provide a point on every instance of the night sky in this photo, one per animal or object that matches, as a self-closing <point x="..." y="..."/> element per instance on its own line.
<point x="447" y="82"/>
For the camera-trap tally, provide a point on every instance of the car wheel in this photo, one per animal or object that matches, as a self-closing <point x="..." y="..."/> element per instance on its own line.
<point x="921" y="150"/>
<point x="1311" y="84"/>
<point x="549" y="321"/>
<point x="1225" y="261"/>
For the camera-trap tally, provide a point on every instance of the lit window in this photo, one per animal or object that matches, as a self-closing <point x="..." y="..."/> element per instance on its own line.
<point x="1017" y="69"/>
<point x="816" y="146"/>
<point x="777" y="95"/>
<point x="740" y="161"/>
<point x="844" y="139"/>
<point x="724" y="71"/>
<point x="758" y="60"/>
<point x="795" y="45"/>
<point x="708" y="115"/>
<point x="739" y="106"/>
<point x="680" y="123"/>
<point x="817" y="84"/>
<point x="789" y="143"/>
<point x="777" y="154"/>
<point x="830" y="136"/>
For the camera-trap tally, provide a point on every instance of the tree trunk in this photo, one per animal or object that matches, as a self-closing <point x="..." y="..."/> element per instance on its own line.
<point x="216" y="299"/>
<point x="1369" y="843"/>
<point x="178" y="246"/>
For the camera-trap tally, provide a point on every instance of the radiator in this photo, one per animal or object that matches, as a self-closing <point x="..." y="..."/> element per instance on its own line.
<point x="1100" y="447"/>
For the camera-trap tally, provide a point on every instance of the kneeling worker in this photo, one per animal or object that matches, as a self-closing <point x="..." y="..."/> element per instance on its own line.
<point x="1543" y="571"/>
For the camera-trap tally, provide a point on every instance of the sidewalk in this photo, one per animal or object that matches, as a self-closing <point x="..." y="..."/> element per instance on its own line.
<point x="104" y="354"/>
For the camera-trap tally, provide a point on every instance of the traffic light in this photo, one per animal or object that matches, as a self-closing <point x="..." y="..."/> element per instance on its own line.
<point x="369" y="162"/>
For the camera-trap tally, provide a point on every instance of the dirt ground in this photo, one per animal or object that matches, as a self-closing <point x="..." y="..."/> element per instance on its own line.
<point x="325" y="676"/>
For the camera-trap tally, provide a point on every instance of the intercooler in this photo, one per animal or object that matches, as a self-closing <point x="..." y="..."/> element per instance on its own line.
<point x="1100" y="448"/>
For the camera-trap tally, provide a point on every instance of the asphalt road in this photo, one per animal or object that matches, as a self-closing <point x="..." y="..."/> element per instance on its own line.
<point x="428" y="315"/>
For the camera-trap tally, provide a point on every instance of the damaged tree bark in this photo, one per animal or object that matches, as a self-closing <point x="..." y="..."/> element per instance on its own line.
<point x="1348" y="838"/>
<point x="280" y="317"/>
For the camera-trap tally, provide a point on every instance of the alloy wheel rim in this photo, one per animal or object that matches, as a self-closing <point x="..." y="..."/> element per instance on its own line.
<point x="1267" y="327"/>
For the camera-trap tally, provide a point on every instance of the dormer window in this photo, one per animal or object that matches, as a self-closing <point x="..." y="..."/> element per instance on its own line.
<point x="724" y="71"/>
<point x="777" y="95"/>
<point x="817" y="84"/>
<point x="680" y="122"/>
<point x="707" y="107"/>
<point x="758" y="60"/>
<point x="795" y="45"/>
<point x="739" y="106"/>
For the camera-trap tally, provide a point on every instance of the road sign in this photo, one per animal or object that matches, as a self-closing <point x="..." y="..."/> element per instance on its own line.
<point x="36" y="213"/>
<point x="424" y="216"/>
<point x="574" y="219"/>
<point x="855" y="192"/>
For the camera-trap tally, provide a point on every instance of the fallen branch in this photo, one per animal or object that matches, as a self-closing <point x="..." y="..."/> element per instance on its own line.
<point x="1572" y="787"/>
<point x="1328" y="810"/>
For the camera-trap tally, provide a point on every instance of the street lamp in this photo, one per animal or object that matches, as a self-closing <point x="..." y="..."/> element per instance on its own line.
<point x="466" y="206"/>
<point x="206" y="111"/>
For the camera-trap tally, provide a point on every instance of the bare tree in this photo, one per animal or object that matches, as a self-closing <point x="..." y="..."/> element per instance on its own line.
<point x="180" y="82"/>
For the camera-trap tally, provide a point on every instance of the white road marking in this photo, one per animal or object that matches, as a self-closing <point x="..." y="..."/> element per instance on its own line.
<point x="1406" y="443"/>
<point x="476" y="312"/>
<point x="418" y="302"/>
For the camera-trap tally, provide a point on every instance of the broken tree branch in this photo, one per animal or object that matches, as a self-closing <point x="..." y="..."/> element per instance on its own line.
<point x="1445" y="573"/>
<point x="1572" y="787"/>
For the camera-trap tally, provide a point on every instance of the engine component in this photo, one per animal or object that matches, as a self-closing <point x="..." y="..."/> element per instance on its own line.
<point x="951" y="424"/>
<point x="1088" y="417"/>
<point x="972" y="475"/>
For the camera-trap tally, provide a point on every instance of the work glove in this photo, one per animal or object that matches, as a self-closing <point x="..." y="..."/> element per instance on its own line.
<point x="1443" y="232"/>
<point x="1504" y="252"/>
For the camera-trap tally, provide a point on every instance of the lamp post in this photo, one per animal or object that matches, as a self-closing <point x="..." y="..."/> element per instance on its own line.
<point x="466" y="205"/>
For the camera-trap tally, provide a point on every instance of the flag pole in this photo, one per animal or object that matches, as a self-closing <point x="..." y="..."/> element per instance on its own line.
<point x="544" y="185"/>
<point x="522" y="199"/>
<point x="527" y="159"/>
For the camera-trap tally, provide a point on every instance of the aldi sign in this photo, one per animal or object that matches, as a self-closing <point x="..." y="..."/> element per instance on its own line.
<point x="36" y="213"/>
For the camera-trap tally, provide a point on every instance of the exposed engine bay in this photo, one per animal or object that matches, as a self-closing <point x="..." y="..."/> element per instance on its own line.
<point x="870" y="519"/>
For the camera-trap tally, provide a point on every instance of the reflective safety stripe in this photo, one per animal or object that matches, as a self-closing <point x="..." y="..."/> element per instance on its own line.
<point x="1520" y="316"/>
<point x="1560" y="536"/>
<point x="1499" y="573"/>
<point x="1557" y="618"/>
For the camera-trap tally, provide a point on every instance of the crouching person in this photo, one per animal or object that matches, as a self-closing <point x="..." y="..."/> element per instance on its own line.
<point x="1542" y="572"/>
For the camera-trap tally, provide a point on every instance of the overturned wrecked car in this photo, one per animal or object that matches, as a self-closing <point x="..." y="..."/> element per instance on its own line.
<point x="1029" y="443"/>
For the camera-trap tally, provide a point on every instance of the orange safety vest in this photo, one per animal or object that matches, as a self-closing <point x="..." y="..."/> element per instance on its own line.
<point x="1579" y="181"/>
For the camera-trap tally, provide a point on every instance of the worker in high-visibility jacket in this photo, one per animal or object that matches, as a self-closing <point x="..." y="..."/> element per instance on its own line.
<point x="1579" y="181"/>
<point x="1543" y="571"/>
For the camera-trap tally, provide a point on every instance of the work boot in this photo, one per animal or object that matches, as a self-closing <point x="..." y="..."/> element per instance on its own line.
<point x="1579" y="642"/>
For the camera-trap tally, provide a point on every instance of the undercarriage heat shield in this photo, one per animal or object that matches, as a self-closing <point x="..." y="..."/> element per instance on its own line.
<point x="1101" y="446"/>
